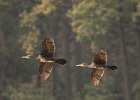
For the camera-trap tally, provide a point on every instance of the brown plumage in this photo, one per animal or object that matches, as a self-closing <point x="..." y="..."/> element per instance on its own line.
<point x="100" y="57"/>
<point x="46" y="58"/>
<point x="47" y="52"/>
<point x="98" y="65"/>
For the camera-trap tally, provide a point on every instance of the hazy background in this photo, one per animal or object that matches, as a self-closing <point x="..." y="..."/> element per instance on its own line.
<point x="79" y="28"/>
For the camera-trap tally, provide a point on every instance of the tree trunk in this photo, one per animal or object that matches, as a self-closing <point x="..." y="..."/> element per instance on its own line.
<point x="67" y="70"/>
<point x="3" y="63"/>
<point x="2" y="76"/>
<point x="55" y="82"/>
<point x="127" y="90"/>
<point x="55" y="73"/>
<point x="67" y="37"/>
<point x="138" y="34"/>
<point x="78" y="70"/>
<point x="66" y="29"/>
<point x="137" y="24"/>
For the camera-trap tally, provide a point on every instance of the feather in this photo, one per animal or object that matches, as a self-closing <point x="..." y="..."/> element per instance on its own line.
<point x="46" y="58"/>
<point x="98" y="65"/>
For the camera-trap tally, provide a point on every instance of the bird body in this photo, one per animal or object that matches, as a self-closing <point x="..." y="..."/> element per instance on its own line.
<point x="98" y="67"/>
<point x="46" y="58"/>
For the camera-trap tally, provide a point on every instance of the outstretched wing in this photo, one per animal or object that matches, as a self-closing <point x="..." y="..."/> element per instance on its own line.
<point x="45" y="70"/>
<point x="48" y="47"/>
<point x="100" y="57"/>
<point x="38" y="58"/>
<point x="96" y="75"/>
<point x="92" y="65"/>
<point x="47" y="52"/>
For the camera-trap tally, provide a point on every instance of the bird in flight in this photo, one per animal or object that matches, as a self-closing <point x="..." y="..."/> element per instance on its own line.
<point x="98" y="67"/>
<point x="46" y="58"/>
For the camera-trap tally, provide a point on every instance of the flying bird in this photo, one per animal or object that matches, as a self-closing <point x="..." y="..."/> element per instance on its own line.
<point x="46" y="58"/>
<point x="98" y="66"/>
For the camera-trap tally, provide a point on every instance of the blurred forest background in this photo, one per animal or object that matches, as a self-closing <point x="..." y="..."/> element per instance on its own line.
<point x="80" y="28"/>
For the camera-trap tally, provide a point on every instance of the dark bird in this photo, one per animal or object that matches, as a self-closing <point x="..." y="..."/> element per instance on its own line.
<point x="46" y="58"/>
<point x="97" y="66"/>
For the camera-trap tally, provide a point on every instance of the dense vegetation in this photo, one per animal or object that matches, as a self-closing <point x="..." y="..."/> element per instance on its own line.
<point x="80" y="28"/>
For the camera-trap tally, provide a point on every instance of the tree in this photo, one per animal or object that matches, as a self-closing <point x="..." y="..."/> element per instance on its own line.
<point x="3" y="66"/>
<point x="100" y="23"/>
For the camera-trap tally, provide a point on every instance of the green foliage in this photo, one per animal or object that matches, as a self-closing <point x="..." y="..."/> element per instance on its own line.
<point x="136" y="90"/>
<point x="30" y="20"/>
<point x="26" y="91"/>
<point x="136" y="12"/>
<point x="91" y="18"/>
<point x="94" y="22"/>
<point x="97" y="23"/>
<point x="29" y="42"/>
<point x="23" y="24"/>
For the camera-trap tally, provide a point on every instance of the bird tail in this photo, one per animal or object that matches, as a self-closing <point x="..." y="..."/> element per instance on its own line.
<point x="61" y="61"/>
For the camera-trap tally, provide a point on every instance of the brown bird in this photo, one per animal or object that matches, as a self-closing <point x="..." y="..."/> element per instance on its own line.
<point x="46" y="58"/>
<point x="98" y="65"/>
